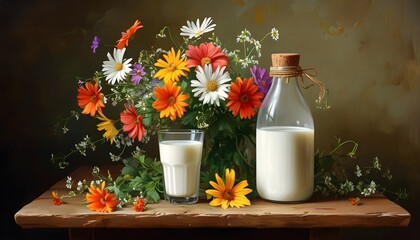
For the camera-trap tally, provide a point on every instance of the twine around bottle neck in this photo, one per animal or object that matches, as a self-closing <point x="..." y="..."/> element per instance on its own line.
<point x="296" y="71"/>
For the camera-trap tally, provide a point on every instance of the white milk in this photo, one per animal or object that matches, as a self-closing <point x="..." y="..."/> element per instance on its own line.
<point x="285" y="163"/>
<point x="181" y="160"/>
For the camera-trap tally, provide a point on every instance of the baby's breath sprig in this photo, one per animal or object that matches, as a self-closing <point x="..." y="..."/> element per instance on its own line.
<point x="337" y="176"/>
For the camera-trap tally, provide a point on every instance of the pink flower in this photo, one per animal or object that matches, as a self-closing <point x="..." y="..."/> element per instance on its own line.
<point x="204" y="54"/>
<point x="133" y="123"/>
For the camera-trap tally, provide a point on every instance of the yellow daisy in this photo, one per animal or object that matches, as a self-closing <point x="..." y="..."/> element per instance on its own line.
<point x="173" y="68"/>
<point x="108" y="125"/>
<point x="228" y="194"/>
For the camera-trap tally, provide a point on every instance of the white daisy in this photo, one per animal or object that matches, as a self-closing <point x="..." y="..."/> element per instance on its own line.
<point x="116" y="69"/>
<point x="275" y="34"/>
<point x="211" y="86"/>
<point x="195" y="29"/>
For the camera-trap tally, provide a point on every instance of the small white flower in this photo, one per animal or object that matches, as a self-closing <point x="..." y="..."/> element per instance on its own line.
<point x="195" y="29"/>
<point x="275" y="34"/>
<point x="69" y="182"/>
<point x="116" y="68"/>
<point x="370" y="190"/>
<point x="211" y="86"/>
<point x="95" y="170"/>
<point x="79" y="185"/>
<point x="245" y="36"/>
<point x="376" y="163"/>
<point x="358" y="171"/>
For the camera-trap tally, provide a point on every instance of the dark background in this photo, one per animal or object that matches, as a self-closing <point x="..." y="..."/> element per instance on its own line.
<point x="46" y="45"/>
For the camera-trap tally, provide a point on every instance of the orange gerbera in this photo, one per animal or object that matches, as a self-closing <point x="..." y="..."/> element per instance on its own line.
<point x="123" y="41"/>
<point x="90" y="98"/>
<point x="100" y="200"/>
<point x="56" y="199"/>
<point x="244" y="98"/>
<point x="139" y="204"/>
<point x="204" y="54"/>
<point x="170" y="102"/>
<point x="133" y="123"/>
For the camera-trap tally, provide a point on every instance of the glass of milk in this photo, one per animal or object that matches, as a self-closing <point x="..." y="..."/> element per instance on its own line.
<point x="180" y="152"/>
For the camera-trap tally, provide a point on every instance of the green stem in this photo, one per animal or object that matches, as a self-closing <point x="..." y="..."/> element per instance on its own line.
<point x="351" y="153"/>
<point x="252" y="49"/>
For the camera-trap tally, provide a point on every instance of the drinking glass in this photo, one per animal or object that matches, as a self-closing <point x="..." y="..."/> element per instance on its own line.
<point x="180" y="152"/>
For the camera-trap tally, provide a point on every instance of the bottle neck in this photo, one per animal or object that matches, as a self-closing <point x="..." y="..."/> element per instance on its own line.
<point x="288" y="85"/>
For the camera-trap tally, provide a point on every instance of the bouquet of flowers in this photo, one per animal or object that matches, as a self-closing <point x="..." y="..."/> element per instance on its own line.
<point x="196" y="84"/>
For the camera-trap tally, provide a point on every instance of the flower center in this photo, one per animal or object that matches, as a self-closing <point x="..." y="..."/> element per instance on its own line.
<point x="205" y="60"/>
<point x="244" y="98"/>
<point x="102" y="200"/>
<point x="198" y="33"/>
<point x="118" y="66"/>
<point x="228" y="194"/>
<point x="172" y="67"/>
<point x="212" y="85"/>
<point x="171" y="100"/>
<point x="93" y="99"/>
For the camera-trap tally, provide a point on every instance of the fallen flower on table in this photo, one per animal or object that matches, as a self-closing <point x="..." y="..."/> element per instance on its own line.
<point x="56" y="198"/>
<point x="227" y="194"/>
<point x="355" y="201"/>
<point x="100" y="200"/>
<point x="139" y="204"/>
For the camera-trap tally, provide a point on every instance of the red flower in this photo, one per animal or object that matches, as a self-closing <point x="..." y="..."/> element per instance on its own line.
<point x="56" y="199"/>
<point x="90" y="98"/>
<point x="354" y="201"/>
<point x="123" y="41"/>
<point x="204" y="54"/>
<point x="244" y="98"/>
<point x="133" y="123"/>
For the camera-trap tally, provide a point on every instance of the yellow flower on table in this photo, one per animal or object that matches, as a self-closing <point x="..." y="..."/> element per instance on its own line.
<point x="229" y="194"/>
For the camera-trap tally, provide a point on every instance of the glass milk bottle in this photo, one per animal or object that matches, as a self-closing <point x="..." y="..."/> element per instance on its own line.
<point x="285" y="136"/>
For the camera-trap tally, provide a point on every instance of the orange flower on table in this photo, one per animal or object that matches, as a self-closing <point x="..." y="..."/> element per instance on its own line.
<point x="123" y="41"/>
<point x="355" y="201"/>
<point x="227" y="194"/>
<point x="56" y="198"/>
<point x="133" y="123"/>
<point x="206" y="53"/>
<point x="173" y="68"/>
<point x="90" y="98"/>
<point x="170" y="102"/>
<point x="139" y="204"/>
<point x="100" y="199"/>
<point x="108" y="125"/>
<point x="244" y="98"/>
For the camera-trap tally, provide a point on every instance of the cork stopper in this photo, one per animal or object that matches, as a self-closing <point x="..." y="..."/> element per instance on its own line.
<point x="285" y="59"/>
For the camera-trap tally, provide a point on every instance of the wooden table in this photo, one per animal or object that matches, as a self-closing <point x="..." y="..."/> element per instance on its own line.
<point x="323" y="218"/>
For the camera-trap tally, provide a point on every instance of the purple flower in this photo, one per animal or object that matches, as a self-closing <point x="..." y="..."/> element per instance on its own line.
<point x="95" y="44"/>
<point x="261" y="78"/>
<point x="137" y="73"/>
